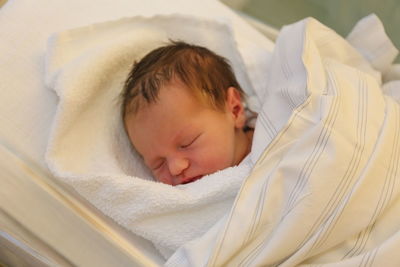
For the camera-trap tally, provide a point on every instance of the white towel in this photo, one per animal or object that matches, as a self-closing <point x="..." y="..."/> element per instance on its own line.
<point x="88" y="148"/>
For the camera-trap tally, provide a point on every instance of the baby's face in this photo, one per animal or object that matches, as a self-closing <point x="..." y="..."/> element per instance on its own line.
<point x="181" y="139"/>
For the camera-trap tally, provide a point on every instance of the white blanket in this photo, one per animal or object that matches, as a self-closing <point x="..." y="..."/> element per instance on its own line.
<point x="325" y="190"/>
<point x="88" y="148"/>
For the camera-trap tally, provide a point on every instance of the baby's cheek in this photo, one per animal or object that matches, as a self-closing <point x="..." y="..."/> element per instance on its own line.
<point x="216" y="160"/>
<point x="162" y="176"/>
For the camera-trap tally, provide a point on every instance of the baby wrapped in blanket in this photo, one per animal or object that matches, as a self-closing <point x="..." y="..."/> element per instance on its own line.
<point x="328" y="165"/>
<point x="89" y="148"/>
<point x="183" y="112"/>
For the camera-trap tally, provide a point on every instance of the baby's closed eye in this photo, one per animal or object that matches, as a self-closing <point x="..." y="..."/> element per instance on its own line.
<point x="189" y="142"/>
<point x="158" y="165"/>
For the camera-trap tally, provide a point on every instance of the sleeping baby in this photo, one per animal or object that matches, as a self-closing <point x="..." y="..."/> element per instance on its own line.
<point x="183" y="113"/>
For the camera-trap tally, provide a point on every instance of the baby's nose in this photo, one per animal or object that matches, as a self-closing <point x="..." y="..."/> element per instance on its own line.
<point x="177" y="165"/>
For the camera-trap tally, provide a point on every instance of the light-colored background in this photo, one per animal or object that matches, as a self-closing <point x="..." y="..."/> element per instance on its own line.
<point x="340" y="15"/>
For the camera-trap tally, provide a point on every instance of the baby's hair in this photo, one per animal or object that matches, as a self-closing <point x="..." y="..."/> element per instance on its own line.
<point x="195" y="66"/>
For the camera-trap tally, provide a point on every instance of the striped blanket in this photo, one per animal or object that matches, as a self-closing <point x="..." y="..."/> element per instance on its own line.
<point x="325" y="189"/>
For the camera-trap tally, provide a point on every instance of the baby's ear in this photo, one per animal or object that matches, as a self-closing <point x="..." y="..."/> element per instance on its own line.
<point x="235" y="107"/>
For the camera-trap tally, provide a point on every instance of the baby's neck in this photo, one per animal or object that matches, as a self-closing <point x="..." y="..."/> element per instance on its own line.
<point x="244" y="148"/>
<point x="249" y="135"/>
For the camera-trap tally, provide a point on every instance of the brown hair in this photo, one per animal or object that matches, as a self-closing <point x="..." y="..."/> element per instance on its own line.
<point x="197" y="67"/>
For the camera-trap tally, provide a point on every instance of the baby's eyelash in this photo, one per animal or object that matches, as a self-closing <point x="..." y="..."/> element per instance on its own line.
<point x="158" y="166"/>
<point x="191" y="142"/>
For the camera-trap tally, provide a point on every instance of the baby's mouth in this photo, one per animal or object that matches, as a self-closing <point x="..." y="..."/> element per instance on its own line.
<point x="191" y="179"/>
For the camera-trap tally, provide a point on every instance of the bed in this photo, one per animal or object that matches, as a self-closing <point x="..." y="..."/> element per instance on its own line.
<point x="49" y="221"/>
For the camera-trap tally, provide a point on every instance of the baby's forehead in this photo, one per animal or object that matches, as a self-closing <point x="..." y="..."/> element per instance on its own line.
<point x="167" y="98"/>
<point x="172" y="90"/>
<point x="173" y="97"/>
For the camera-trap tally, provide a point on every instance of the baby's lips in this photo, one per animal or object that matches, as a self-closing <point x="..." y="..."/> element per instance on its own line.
<point x="191" y="179"/>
